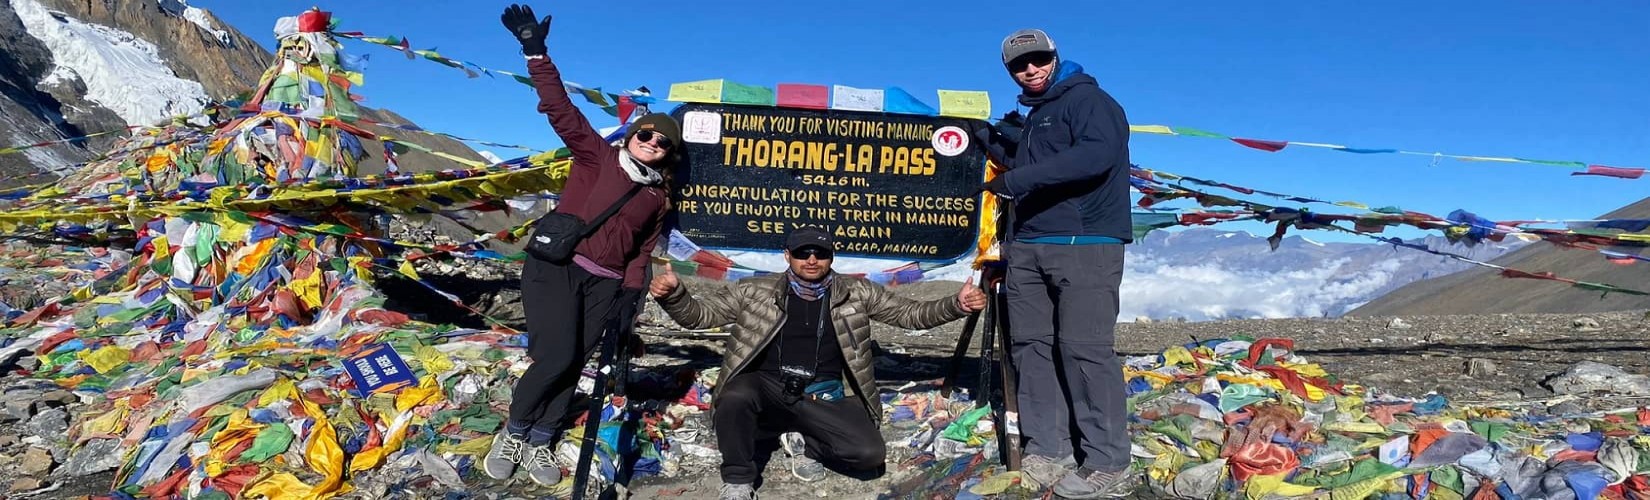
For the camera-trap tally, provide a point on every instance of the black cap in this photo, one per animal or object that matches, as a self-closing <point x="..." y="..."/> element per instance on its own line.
<point x="807" y="236"/>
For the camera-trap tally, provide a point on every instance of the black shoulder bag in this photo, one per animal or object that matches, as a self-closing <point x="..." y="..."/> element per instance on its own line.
<point x="556" y="234"/>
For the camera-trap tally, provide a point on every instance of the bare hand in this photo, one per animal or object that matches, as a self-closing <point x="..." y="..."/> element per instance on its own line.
<point x="663" y="284"/>
<point x="970" y="297"/>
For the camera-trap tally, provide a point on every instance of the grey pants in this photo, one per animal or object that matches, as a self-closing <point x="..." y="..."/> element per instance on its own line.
<point x="1062" y="313"/>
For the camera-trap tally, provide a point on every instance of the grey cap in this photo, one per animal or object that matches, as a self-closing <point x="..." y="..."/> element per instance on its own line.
<point x="1024" y="42"/>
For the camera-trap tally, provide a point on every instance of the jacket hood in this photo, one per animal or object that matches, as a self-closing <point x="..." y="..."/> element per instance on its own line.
<point x="1067" y="75"/>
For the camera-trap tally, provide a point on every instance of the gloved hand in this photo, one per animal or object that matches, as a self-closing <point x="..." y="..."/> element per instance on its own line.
<point x="527" y="29"/>
<point x="997" y="185"/>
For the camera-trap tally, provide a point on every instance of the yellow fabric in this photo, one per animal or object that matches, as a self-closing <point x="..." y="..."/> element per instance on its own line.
<point x="965" y="104"/>
<point x="1359" y="427"/>
<point x="427" y="392"/>
<point x="1151" y="129"/>
<point x="369" y="459"/>
<point x="112" y="422"/>
<point x="700" y="91"/>
<point x="308" y="289"/>
<point x="1259" y="487"/>
<point x="105" y="358"/>
<point x="986" y="247"/>
<point x="434" y="361"/>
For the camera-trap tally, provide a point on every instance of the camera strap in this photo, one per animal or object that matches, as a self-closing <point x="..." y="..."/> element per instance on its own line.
<point x="819" y="332"/>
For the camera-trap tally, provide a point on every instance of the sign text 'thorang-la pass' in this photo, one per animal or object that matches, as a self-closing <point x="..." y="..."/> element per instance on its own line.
<point x="889" y="186"/>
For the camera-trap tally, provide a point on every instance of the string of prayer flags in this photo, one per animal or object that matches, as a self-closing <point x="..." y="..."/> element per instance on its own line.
<point x="1272" y="146"/>
<point x="1459" y="225"/>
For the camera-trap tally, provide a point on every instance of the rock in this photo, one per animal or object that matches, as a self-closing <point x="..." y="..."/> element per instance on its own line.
<point x="96" y="456"/>
<point x="36" y="462"/>
<point x="25" y="484"/>
<point x="7" y="440"/>
<point x="1142" y="320"/>
<point x="1584" y="325"/>
<point x="59" y="398"/>
<point x="1480" y="367"/>
<point x="51" y="424"/>
<point x="18" y="404"/>
<point x="1398" y="324"/>
<point x="1589" y="377"/>
<point x="1565" y="408"/>
<point x="1433" y="338"/>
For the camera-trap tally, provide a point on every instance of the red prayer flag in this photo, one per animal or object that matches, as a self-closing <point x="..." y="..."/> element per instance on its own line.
<point x="1514" y="273"/>
<point x="802" y="95"/>
<point x="626" y="107"/>
<point x="1267" y="146"/>
<point x="1608" y="171"/>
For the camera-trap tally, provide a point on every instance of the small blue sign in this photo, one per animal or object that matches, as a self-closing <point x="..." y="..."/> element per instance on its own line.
<point x="379" y="369"/>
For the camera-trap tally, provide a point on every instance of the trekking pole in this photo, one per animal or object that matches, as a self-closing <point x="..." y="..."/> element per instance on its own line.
<point x="954" y="371"/>
<point x="988" y="343"/>
<point x="1008" y="416"/>
<point x="598" y="394"/>
<point x="626" y="447"/>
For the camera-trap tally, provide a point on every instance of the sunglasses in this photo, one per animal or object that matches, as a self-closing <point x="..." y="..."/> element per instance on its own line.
<point x="1020" y="64"/>
<point x="815" y="252"/>
<point x="649" y="136"/>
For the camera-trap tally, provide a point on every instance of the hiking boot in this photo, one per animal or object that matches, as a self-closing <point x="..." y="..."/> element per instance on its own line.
<point x="1087" y="484"/>
<point x="1044" y="470"/>
<point x="542" y="466"/>
<point x="737" y="492"/>
<point x="804" y="468"/>
<point x="507" y="451"/>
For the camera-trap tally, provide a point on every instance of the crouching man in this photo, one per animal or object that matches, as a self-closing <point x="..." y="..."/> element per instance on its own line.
<point x="799" y="362"/>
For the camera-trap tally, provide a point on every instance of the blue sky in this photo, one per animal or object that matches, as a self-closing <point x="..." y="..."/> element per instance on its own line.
<point x="1530" y="79"/>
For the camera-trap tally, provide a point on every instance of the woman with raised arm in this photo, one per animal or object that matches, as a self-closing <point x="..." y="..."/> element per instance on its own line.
<point x="568" y="298"/>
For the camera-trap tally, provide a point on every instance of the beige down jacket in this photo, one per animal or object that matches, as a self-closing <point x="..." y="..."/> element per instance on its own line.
<point x="756" y="307"/>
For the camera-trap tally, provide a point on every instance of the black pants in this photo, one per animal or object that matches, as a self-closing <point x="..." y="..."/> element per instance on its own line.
<point x="753" y="406"/>
<point x="567" y="310"/>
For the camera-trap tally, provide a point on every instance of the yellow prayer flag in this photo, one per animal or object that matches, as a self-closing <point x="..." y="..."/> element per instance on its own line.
<point x="700" y="91"/>
<point x="408" y="270"/>
<point x="1151" y="129"/>
<point x="965" y="104"/>
<point x="106" y="358"/>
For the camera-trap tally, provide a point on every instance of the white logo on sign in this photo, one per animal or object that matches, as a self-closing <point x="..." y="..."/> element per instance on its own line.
<point x="950" y="140"/>
<point x="702" y="127"/>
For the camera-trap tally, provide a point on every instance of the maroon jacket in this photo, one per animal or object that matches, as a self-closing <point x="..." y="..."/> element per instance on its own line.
<point x="625" y="242"/>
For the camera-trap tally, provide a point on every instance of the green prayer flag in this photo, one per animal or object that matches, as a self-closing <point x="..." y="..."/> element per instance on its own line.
<point x="963" y="427"/>
<point x="1196" y="132"/>
<point x="738" y="93"/>
<point x="271" y="441"/>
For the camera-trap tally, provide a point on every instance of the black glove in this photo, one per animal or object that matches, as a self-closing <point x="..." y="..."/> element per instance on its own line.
<point x="528" y="30"/>
<point x="1009" y="126"/>
<point x="997" y="185"/>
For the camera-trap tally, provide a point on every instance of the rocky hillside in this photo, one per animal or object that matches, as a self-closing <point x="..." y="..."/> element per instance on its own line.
<point x="1481" y="291"/>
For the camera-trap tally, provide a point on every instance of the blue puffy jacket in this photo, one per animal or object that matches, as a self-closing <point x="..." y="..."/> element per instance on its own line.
<point x="1069" y="166"/>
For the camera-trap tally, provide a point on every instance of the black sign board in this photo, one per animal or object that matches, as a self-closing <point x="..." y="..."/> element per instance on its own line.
<point x="887" y="186"/>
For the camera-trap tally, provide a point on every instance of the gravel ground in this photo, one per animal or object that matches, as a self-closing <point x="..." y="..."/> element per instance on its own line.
<point x="1409" y="356"/>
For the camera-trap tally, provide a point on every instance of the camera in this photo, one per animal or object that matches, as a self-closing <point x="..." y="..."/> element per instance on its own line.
<point x="796" y="379"/>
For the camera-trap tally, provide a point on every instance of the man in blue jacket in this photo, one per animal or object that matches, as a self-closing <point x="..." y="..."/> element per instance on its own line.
<point x="1068" y="169"/>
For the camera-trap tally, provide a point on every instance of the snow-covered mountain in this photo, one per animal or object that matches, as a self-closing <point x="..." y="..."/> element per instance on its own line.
<point x="69" y="68"/>
<point x="1206" y="274"/>
<point x="1202" y="274"/>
